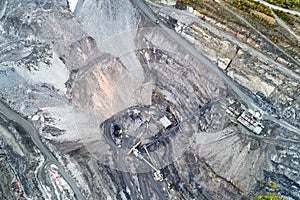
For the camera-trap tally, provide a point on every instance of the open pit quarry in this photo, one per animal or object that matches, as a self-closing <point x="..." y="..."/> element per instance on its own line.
<point x="134" y="99"/>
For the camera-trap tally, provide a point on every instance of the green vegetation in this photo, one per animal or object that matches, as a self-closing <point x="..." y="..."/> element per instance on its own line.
<point x="267" y="196"/>
<point x="160" y="95"/>
<point x="272" y="184"/>
<point x="275" y="38"/>
<point x="257" y="10"/>
<point x="248" y="6"/>
<point x="212" y="10"/>
<point x="186" y="1"/>
<point x="290" y="4"/>
<point x="260" y="16"/>
<point x="288" y="18"/>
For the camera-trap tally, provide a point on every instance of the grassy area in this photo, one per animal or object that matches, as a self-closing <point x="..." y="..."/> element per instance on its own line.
<point x="260" y="16"/>
<point x="286" y="17"/>
<point x="290" y="4"/>
<point x="268" y="196"/>
<point x="248" y="6"/>
<point x="258" y="11"/>
<point x="244" y="5"/>
<point x="211" y="9"/>
<point x="272" y="184"/>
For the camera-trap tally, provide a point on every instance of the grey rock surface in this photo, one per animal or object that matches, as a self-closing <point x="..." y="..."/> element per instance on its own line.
<point x="93" y="86"/>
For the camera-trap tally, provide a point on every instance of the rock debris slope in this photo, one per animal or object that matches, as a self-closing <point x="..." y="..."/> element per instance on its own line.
<point x="96" y="83"/>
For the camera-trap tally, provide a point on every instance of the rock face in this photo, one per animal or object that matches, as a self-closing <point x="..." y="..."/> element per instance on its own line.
<point x="109" y="88"/>
<point x="232" y="157"/>
<point x="117" y="22"/>
<point x="97" y="81"/>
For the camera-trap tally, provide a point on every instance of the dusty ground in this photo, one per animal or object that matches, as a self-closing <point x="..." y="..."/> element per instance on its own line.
<point x="77" y="76"/>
